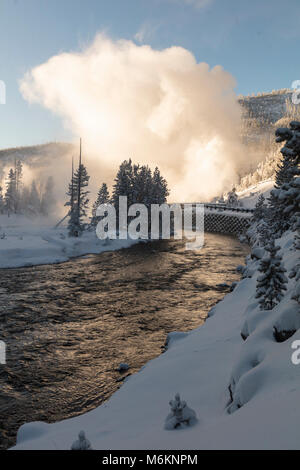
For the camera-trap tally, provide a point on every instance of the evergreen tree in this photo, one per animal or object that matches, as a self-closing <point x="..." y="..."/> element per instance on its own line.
<point x="142" y="185"/>
<point x="123" y="183"/>
<point x="2" y="201"/>
<point x="232" y="199"/>
<point x="260" y="209"/>
<point x="102" y="198"/>
<point x="48" y="199"/>
<point x="18" y="188"/>
<point x="25" y="200"/>
<point x="271" y="282"/>
<point x="10" y="195"/>
<point x="160" y="190"/>
<point x="285" y="198"/>
<point x="264" y="232"/>
<point x="78" y="202"/>
<point x="34" y="199"/>
<point x="139" y="185"/>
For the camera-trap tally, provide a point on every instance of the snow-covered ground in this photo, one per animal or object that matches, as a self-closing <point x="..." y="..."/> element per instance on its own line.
<point x="27" y="242"/>
<point x="201" y="365"/>
<point x="249" y="196"/>
<point x="31" y="241"/>
<point x="245" y="392"/>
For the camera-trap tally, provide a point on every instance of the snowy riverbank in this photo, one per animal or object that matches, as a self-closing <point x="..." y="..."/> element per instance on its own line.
<point x="200" y="366"/>
<point x="28" y="242"/>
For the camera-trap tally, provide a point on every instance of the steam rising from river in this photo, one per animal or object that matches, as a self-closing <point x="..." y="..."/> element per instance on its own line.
<point x="158" y="107"/>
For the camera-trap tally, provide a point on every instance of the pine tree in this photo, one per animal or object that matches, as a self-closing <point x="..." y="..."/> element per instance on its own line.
<point x="78" y="202"/>
<point x="10" y="195"/>
<point x="271" y="282"/>
<point x="295" y="272"/>
<point x="25" y="200"/>
<point x="232" y="199"/>
<point x="285" y="198"/>
<point x="48" y="199"/>
<point x="2" y="201"/>
<point x="160" y="190"/>
<point x="123" y="183"/>
<point x="260" y="209"/>
<point x="18" y="189"/>
<point x="102" y="198"/>
<point x="264" y="232"/>
<point x="34" y="199"/>
<point x="142" y="185"/>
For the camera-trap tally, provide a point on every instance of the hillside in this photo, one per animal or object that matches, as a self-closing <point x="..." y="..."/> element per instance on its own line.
<point x="36" y="155"/>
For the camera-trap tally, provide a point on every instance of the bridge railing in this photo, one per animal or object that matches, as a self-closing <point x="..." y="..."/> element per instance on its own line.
<point x="224" y="207"/>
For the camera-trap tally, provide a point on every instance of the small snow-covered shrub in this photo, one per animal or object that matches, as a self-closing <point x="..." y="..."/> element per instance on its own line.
<point x="82" y="443"/>
<point x="181" y="414"/>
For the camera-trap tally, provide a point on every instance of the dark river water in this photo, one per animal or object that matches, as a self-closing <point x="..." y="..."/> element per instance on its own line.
<point x="68" y="326"/>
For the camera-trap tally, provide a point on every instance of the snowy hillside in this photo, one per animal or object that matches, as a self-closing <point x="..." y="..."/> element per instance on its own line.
<point x="250" y="195"/>
<point x="36" y="156"/>
<point x="202" y="365"/>
<point x="268" y="107"/>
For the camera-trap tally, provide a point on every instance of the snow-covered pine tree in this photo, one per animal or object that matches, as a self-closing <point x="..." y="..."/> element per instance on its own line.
<point x="295" y="272"/>
<point x="10" y="194"/>
<point x="285" y="198"/>
<point x="271" y="282"/>
<point x="260" y="209"/>
<point x="102" y="198"/>
<point x="264" y="232"/>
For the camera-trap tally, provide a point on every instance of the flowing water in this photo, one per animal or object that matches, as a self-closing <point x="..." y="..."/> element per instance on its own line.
<point x="68" y="326"/>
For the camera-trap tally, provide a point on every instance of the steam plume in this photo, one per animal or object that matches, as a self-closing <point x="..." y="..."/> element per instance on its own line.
<point x="159" y="107"/>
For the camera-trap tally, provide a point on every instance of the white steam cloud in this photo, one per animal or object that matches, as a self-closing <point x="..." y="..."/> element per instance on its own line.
<point x="159" y="107"/>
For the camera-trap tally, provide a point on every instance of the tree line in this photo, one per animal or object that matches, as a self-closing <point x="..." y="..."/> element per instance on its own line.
<point x="18" y="198"/>
<point x="275" y="217"/>
<point x="135" y="181"/>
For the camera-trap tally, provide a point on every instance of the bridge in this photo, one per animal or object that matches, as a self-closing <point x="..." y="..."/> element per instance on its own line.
<point x="220" y="218"/>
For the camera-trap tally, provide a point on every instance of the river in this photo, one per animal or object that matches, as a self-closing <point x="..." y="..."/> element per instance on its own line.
<point x="68" y="326"/>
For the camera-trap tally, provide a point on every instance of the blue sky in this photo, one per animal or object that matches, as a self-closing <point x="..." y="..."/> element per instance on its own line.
<point x="257" y="41"/>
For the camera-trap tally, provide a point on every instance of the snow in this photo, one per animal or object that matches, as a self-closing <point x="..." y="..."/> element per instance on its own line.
<point x="249" y="196"/>
<point x="27" y="242"/>
<point x="200" y="366"/>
